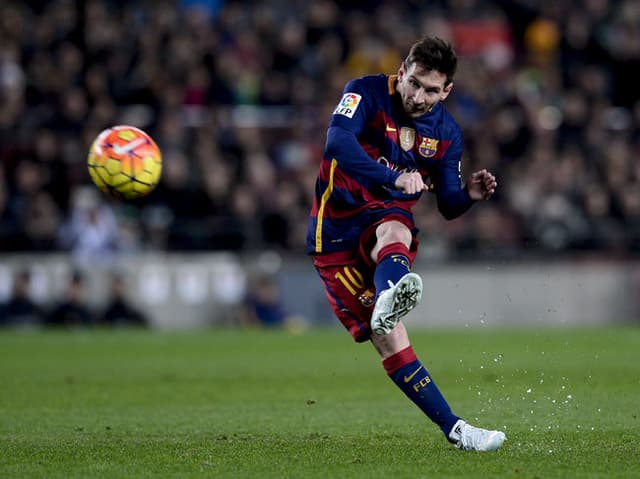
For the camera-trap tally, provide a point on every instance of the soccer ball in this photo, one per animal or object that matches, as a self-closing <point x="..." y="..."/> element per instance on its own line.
<point x="125" y="162"/>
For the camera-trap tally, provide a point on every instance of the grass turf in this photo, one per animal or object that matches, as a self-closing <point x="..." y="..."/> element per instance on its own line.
<point x="272" y="404"/>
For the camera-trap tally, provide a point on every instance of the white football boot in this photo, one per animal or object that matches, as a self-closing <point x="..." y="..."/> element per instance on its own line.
<point x="470" y="438"/>
<point x="395" y="302"/>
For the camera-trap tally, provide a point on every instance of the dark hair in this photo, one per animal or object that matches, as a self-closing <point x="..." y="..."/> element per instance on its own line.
<point x="433" y="53"/>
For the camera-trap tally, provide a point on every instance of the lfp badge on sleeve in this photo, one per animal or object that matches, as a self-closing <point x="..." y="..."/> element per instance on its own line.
<point x="348" y="105"/>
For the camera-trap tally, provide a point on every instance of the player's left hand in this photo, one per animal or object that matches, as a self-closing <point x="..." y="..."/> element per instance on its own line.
<point x="481" y="185"/>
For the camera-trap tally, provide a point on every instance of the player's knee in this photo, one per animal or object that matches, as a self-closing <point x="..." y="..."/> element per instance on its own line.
<point x="393" y="232"/>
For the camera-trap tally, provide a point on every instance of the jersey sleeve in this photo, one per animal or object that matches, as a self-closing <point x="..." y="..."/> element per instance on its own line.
<point x="356" y="107"/>
<point x="452" y="197"/>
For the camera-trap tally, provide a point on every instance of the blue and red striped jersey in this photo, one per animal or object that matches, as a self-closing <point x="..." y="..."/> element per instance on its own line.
<point x="370" y="141"/>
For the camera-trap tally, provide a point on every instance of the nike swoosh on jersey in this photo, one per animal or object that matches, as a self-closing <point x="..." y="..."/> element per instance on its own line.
<point x="410" y="376"/>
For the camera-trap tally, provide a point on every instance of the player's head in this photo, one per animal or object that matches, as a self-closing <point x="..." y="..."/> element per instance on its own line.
<point x="425" y="77"/>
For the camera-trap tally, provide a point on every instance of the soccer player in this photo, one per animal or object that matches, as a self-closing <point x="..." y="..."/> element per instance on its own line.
<point x="389" y="140"/>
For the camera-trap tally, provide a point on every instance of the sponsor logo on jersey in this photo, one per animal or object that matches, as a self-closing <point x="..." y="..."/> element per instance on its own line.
<point x="402" y="169"/>
<point x="428" y="147"/>
<point x="348" y="105"/>
<point x="407" y="138"/>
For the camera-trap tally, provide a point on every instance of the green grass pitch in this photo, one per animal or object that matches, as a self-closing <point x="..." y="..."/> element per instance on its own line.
<point x="258" y="404"/>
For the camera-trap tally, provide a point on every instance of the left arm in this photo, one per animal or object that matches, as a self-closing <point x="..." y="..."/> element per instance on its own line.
<point x="481" y="185"/>
<point x="453" y="198"/>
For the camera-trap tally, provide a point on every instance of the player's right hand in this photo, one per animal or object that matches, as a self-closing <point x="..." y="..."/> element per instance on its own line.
<point x="410" y="183"/>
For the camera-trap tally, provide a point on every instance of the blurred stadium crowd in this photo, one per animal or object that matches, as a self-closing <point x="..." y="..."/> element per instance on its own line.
<point x="238" y="96"/>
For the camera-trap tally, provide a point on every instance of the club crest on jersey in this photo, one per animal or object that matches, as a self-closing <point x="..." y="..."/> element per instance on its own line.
<point x="367" y="298"/>
<point x="428" y="147"/>
<point x="407" y="138"/>
<point x="348" y="105"/>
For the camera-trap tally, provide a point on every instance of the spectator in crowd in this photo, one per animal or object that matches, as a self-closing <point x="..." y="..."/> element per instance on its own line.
<point x="119" y="311"/>
<point x="91" y="230"/>
<point x="20" y="310"/>
<point x="263" y="306"/>
<point x="73" y="310"/>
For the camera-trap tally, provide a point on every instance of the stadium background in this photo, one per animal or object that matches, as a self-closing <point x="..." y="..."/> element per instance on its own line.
<point x="238" y="94"/>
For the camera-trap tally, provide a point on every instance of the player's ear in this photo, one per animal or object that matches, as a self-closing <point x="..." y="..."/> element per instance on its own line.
<point x="402" y="69"/>
<point x="445" y="92"/>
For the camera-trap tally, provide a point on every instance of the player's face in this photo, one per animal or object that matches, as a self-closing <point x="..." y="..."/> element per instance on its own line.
<point x="421" y="89"/>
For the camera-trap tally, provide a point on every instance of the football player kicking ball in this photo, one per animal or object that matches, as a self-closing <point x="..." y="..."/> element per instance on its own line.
<point x="388" y="137"/>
